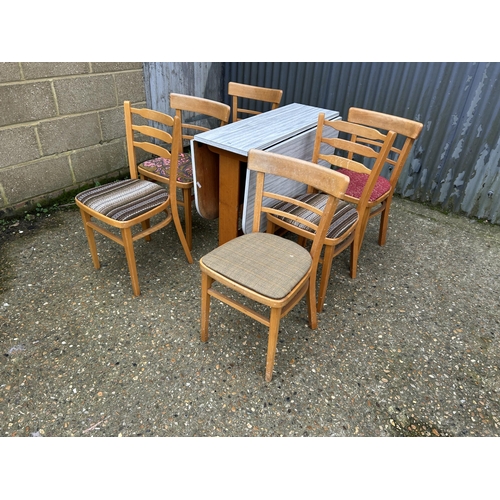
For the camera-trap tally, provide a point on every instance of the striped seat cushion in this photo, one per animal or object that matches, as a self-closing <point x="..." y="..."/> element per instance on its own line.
<point x="345" y="215"/>
<point x="124" y="200"/>
<point x="265" y="263"/>
<point x="357" y="184"/>
<point x="161" y="166"/>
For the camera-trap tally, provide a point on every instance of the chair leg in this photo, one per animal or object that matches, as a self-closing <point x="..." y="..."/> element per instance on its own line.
<point x="146" y="225"/>
<point x="180" y="232"/>
<point x="354" y="256"/>
<point x="311" y="304"/>
<point x="325" y="276"/>
<point x="274" y="326"/>
<point x="271" y="228"/>
<point x="384" y="222"/>
<point x="90" y="238"/>
<point x="360" y="235"/>
<point x="302" y="241"/>
<point x="206" y="283"/>
<point x="356" y="245"/>
<point x="188" y="216"/>
<point x="128" y="244"/>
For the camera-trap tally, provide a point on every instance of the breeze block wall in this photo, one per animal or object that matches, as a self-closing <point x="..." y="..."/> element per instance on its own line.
<point x="62" y="127"/>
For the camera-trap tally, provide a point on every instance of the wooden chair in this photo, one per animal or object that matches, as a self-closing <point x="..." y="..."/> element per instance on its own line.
<point x="267" y="268"/>
<point x="349" y="222"/>
<point x="241" y="91"/>
<point x="131" y="202"/>
<point x="205" y="111"/>
<point x="408" y="131"/>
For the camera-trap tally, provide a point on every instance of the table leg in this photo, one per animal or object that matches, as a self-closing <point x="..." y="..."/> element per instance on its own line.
<point x="229" y="199"/>
<point x="206" y="164"/>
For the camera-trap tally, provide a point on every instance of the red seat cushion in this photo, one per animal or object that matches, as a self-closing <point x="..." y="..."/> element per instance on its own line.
<point x="358" y="181"/>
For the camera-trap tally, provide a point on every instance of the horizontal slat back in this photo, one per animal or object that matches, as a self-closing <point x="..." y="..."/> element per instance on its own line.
<point x="252" y="92"/>
<point x="248" y="111"/>
<point x="188" y="127"/>
<point x="409" y="129"/>
<point x="314" y="175"/>
<point x="354" y="147"/>
<point x="153" y="149"/>
<point x="396" y="151"/>
<point x="201" y="106"/>
<point x="339" y="161"/>
<point x="145" y="137"/>
<point x="364" y="141"/>
<point x="156" y="116"/>
<point x="357" y="130"/>
<point x="153" y="132"/>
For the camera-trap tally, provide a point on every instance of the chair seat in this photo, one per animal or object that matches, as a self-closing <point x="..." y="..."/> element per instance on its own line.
<point x="265" y="263"/>
<point x="124" y="200"/>
<point x="358" y="181"/>
<point x="345" y="215"/>
<point x="161" y="166"/>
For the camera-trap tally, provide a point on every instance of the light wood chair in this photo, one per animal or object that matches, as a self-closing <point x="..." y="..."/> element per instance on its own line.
<point x="197" y="115"/>
<point x="267" y="268"/>
<point x="408" y="132"/>
<point x="132" y="202"/>
<point x="241" y="91"/>
<point x="349" y="222"/>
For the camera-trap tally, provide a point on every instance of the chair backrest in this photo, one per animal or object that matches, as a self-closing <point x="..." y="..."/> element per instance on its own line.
<point x="242" y="91"/>
<point x="408" y="129"/>
<point x="328" y="181"/>
<point x="203" y="109"/>
<point x="364" y="141"/>
<point x="142" y="134"/>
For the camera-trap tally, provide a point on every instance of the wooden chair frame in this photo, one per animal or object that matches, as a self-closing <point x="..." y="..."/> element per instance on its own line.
<point x="410" y="130"/>
<point x="169" y="207"/>
<point x="242" y="91"/>
<point x="332" y="183"/>
<point x="378" y="150"/>
<point x="181" y="104"/>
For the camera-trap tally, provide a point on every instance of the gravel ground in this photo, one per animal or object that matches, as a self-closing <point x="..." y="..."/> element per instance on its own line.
<point x="408" y="348"/>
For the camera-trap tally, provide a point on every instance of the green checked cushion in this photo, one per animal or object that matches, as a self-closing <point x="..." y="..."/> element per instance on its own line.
<point x="161" y="166"/>
<point x="345" y="215"/>
<point x="357" y="184"/>
<point x="124" y="200"/>
<point x="263" y="262"/>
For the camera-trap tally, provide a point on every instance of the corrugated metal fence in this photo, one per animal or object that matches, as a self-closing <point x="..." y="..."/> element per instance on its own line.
<point x="455" y="164"/>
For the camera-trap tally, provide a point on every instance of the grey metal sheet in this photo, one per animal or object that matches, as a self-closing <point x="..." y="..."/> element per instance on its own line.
<point x="455" y="162"/>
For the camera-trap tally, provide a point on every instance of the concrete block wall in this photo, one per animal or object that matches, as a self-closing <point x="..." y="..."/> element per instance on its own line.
<point x="62" y="127"/>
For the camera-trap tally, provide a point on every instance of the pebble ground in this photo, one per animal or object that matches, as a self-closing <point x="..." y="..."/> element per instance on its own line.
<point x="408" y="348"/>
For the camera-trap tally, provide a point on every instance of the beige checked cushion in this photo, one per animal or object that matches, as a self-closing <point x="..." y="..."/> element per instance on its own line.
<point x="266" y="263"/>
